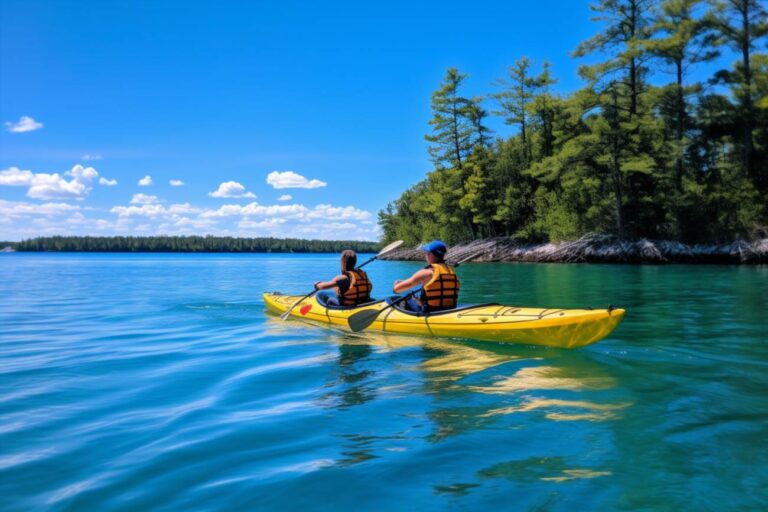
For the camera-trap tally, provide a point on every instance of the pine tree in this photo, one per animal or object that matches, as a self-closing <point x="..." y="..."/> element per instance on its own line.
<point x="627" y="27"/>
<point x="683" y="41"/>
<point x="452" y="129"/>
<point x="514" y="99"/>
<point x="740" y="25"/>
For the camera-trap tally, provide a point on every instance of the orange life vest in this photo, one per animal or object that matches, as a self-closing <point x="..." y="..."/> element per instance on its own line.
<point x="359" y="290"/>
<point x="442" y="291"/>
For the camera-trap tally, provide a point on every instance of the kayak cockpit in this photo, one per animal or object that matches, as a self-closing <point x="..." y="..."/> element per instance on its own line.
<point x="323" y="300"/>
<point x="403" y="308"/>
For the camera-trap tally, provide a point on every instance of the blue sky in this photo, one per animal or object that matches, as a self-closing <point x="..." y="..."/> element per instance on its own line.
<point x="211" y="93"/>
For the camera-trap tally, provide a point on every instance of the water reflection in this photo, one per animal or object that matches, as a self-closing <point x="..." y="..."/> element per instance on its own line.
<point x="564" y="410"/>
<point x="552" y="469"/>
<point x="352" y="384"/>
<point x="470" y="386"/>
<point x="546" y="377"/>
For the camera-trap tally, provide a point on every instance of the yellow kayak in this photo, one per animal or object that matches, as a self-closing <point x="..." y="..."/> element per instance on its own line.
<point x="561" y="328"/>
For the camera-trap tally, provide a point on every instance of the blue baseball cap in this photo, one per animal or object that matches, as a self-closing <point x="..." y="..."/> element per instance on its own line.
<point x="436" y="247"/>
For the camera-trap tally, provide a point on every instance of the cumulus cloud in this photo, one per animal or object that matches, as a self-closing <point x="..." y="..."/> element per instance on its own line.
<point x="51" y="186"/>
<point x="145" y="181"/>
<point x="327" y="211"/>
<point x="290" y="179"/>
<point x="106" y="182"/>
<point x="81" y="173"/>
<point x="88" y="157"/>
<point x="285" y="197"/>
<point x="25" y="124"/>
<point x="231" y="189"/>
<point x="176" y="183"/>
<point x="16" y="208"/>
<point x="295" y="211"/>
<point x="267" y="223"/>
<point x="154" y="210"/>
<point x="144" y="199"/>
<point x="15" y="177"/>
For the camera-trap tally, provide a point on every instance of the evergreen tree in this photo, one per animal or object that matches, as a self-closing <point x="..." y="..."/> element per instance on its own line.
<point x="683" y="41"/>
<point x="627" y="27"/>
<point x="514" y="99"/>
<point x="452" y="128"/>
<point x="740" y="25"/>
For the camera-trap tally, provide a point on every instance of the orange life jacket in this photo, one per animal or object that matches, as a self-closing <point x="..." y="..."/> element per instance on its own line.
<point x="359" y="290"/>
<point x="442" y="291"/>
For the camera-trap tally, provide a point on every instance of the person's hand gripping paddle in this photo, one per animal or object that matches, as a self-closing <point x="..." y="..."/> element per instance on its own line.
<point x="389" y="248"/>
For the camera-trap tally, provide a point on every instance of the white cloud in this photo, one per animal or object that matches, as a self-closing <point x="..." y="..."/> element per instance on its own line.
<point x="51" y="186"/>
<point x="295" y="211"/>
<point x="106" y="182"/>
<point x="146" y="210"/>
<point x="154" y="210"/>
<point x="88" y="157"/>
<point x="266" y="223"/>
<point x="15" y="177"/>
<point x="25" y="124"/>
<point x="81" y="173"/>
<point x="16" y="208"/>
<point x="145" y="181"/>
<point x="327" y="211"/>
<point x="290" y="179"/>
<point x="144" y="199"/>
<point x="285" y="197"/>
<point x="176" y="183"/>
<point x="231" y="189"/>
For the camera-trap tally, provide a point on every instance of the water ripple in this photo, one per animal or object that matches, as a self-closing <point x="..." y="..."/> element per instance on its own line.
<point x="127" y="382"/>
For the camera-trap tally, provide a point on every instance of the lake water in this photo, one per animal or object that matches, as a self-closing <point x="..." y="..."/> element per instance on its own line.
<point x="159" y="382"/>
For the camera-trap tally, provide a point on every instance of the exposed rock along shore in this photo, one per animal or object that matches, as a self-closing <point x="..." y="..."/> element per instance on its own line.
<point x="597" y="248"/>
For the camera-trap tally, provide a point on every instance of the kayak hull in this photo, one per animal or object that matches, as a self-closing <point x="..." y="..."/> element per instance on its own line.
<point x="560" y="328"/>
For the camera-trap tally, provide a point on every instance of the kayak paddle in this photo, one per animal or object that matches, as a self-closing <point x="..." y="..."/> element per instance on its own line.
<point x="390" y="247"/>
<point x="363" y="319"/>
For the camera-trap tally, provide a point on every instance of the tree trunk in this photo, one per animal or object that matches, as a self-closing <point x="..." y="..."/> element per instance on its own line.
<point x="680" y="123"/>
<point x="748" y="109"/>
<point x="523" y="134"/>
<point x="456" y="144"/>
<point x="616" y="167"/>
<point x="632" y="64"/>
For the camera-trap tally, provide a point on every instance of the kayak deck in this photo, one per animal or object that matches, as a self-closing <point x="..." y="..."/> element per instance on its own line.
<point x="561" y="328"/>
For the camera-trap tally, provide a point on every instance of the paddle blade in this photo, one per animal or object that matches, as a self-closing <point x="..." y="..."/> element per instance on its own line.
<point x="390" y="247"/>
<point x="363" y="319"/>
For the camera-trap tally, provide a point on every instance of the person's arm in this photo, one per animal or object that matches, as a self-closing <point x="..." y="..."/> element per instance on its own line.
<point x="333" y="283"/>
<point x="419" y="278"/>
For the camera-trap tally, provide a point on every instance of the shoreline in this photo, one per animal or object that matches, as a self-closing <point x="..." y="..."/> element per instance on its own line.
<point x="596" y="248"/>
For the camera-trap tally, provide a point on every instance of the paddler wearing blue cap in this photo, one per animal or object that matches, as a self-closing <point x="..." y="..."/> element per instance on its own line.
<point x="438" y="281"/>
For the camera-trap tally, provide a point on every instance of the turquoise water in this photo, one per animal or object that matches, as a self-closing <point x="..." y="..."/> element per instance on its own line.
<point x="136" y="382"/>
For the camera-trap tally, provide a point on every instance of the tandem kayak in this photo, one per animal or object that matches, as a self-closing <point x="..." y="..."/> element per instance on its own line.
<point x="561" y="328"/>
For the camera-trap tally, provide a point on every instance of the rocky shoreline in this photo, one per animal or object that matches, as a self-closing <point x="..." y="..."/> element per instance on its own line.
<point x="598" y="248"/>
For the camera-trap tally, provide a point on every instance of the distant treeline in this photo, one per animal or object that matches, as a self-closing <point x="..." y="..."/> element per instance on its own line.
<point x="188" y="244"/>
<point x="628" y="154"/>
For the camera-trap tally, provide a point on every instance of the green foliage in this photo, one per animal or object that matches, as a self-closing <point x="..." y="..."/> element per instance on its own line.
<point x="621" y="155"/>
<point x="452" y="122"/>
<point x="188" y="244"/>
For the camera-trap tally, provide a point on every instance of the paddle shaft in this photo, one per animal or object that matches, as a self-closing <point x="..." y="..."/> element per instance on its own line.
<point x="390" y="247"/>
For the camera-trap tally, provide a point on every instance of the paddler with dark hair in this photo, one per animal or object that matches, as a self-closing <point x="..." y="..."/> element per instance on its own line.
<point x="439" y="282"/>
<point x="352" y="286"/>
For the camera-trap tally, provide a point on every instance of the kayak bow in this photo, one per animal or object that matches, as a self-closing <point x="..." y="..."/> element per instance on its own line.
<point x="561" y="328"/>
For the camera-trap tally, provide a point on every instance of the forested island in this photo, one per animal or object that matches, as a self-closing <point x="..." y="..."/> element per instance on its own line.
<point x="188" y="244"/>
<point x="631" y="157"/>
